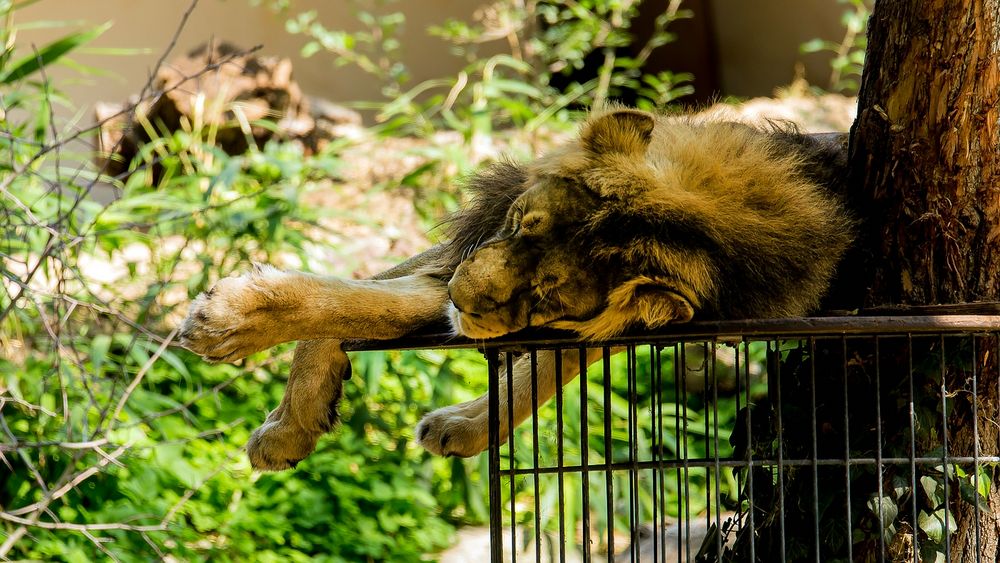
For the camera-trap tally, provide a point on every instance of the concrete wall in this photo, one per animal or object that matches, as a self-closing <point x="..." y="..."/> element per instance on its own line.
<point x="758" y="42"/>
<point x="151" y="24"/>
<point x="755" y="44"/>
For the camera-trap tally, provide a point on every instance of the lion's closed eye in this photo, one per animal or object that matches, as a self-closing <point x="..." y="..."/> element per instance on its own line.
<point x="534" y="224"/>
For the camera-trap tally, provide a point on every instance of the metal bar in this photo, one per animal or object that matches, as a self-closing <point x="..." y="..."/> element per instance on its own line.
<point x="560" y="460"/>
<point x="658" y="393"/>
<point x="708" y="429"/>
<point x="749" y="455"/>
<point x="975" y="439"/>
<point x="717" y="506"/>
<point x="769" y="463"/>
<point x="739" y="393"/>
<point x="511" y="461"/>
<point x="684" y="445"/>
<point x="678" y="397"/>
<point x="847" y="456"/>
<point x="609" y="481"/>
<point x="878" y="448"/>
<point x="944" y="453"/>
<point x="632" y="371"/>
<point x="913" y="449"/>
<point x="781" y="448"/>
<point x="496" y="501"/>
<point x="534" y="452"/>
<point x="725" y="330"/>
<point x="584" y="451"/>
<point x="815" y="447"/>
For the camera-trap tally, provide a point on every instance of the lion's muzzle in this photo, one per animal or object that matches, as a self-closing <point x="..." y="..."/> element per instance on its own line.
<point x="489" y="295"/>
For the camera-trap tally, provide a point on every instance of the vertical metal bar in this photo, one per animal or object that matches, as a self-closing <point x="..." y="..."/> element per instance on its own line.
<point x="847" y="453"/>
<point x="708" y="429"/>
<point x="635" y="517"/>
<point x="496" y="502"/>
<point x="512" y="465"/>
<point x="534" y="453"/>
<point x="975" y="437"/>
<point x="781" y="448"/>
<point x="560" y="459"/>
<point x="913" y="449"/>
<point x="815" y="446"/>
<point x="661" y="525"/>
<point x="686" y="457"/>
<point x="609" y="481"/>
<point x="878" y="448"/>
<point x="654" y="405"/>
<point x="678" y="397"/>
<point x="739" y="395"/>
<point x="749" y="453"/>
<point x="944" y="453"/>
<point x="584" y="455"/>
<point x="717" y="506"/>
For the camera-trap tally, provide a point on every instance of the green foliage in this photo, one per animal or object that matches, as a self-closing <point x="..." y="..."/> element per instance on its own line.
<point x="848" y="55"/>
<point x="530" y="84"/>
<point x="118" y="445"/>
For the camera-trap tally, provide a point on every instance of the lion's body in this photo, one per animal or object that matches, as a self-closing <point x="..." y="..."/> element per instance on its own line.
<point x="731" y="217"/>
<point x="639" y="222"/>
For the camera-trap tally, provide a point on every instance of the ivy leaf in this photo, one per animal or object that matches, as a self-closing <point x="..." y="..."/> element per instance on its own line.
<point x="933" y="524"/>
<point x="934" y="491"/>
<point x="885" y="509"/>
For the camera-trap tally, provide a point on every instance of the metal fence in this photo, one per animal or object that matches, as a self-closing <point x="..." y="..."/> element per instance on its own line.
<point x="818" y="439"/>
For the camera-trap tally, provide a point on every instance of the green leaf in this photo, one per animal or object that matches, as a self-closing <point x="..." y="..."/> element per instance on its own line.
<point x="934" y="491"/>
<point x="933" y="524"/>
<point x="969" y="495"/>
<point x="175" y="362"/>
<point x="884" y="508"/>
<point x="99" y="351"/>
<point x="50" y="54"/>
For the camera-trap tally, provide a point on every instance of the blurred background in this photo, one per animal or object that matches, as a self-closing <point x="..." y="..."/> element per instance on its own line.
<point x="152" y="148"/>
<point x="743" y="49"/>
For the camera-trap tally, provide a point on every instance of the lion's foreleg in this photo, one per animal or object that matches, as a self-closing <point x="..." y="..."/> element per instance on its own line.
<point x="240" y="316"/>
<point x="462" y="429"/>
<point x="307" y="410"/>
<point x="319" y="367"/>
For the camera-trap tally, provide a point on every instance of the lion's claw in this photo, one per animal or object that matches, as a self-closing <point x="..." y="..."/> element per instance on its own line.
<point x="279" y="445"/>
<point x="453" y="431"/>
<point x="235" y="318"/>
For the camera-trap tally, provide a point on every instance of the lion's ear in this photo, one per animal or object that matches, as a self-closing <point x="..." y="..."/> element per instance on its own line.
<point x="640" y="301"/>
<point x="622" y="131"/>
<point x="656" y="304"/>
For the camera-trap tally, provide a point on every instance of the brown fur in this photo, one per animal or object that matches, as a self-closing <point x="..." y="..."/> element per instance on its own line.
<point x="641" y="221"/>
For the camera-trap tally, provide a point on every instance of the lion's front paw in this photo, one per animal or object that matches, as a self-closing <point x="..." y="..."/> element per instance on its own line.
<point x="279" y="444"/>
<point x="237" y="317"/>
<point x="454" y="431"/>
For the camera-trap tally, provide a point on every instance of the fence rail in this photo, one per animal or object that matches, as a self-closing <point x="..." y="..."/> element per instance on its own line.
<point x="762" y="440"/>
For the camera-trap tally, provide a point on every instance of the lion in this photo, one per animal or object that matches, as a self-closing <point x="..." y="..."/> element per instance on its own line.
<point x="640" y="221"/>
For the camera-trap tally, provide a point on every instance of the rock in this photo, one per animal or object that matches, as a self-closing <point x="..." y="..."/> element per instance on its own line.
<point x="219" y="91"/>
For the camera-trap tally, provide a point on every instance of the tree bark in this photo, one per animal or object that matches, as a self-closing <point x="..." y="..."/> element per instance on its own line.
<point x="925" y="176"/>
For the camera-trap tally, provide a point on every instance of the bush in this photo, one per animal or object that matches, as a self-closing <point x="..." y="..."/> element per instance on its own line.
<point x="119" y="444"/>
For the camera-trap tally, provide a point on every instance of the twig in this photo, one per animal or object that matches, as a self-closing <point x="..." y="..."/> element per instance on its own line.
<point x="79" y="478"/>
<point x="138" y="377"/>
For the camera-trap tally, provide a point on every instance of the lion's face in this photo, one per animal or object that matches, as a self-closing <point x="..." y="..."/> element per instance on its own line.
<point x="533" y="271"/>
<point x="568" y="256"/>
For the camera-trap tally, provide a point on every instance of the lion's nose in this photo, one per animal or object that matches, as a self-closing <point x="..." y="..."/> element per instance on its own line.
<point x="461" y="298"/>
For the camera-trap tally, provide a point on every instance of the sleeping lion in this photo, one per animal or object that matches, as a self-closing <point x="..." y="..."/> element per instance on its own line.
<point x="640" y="221"/>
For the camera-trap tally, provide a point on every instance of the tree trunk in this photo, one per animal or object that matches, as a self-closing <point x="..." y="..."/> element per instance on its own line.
<point x="925" y="174"/>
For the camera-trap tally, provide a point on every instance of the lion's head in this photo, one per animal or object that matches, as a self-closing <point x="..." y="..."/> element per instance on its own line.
<point x="642" y="221"/>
